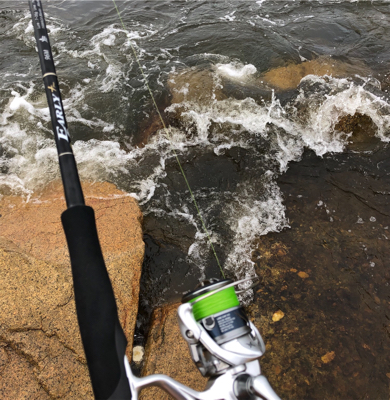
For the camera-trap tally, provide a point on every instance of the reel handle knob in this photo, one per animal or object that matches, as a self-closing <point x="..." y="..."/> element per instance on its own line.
<point x="247" y="387"/>
<point x="261" y="387"/>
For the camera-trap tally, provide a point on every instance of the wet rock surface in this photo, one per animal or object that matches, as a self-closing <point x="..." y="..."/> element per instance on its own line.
<point x="362" y="131"/>
<point x="328" y="276"/>
<point x="288" y="77"/>
<point x="168" y="236"/>
<point x="322" y="306"/>
<point x="194" y="85"/>
<point x="41" y="354"/>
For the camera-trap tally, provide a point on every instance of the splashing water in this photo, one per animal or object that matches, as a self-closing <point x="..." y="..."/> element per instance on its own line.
<point x="246" y="141"/>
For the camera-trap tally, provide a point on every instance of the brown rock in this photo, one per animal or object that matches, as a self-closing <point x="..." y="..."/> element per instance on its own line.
<point x="277" y="316"/>
<point x="360" y="125"/>
<point x="289" y="77"/>
<point x="203" y="86"/>
<point x="167" y="353"/>
<point x="194" y="85"/>
<point x="328" y="357"/>
<point x="39" y="335"/>
<point x="303" y="275"/>
<point x="35" y="226"/>
<point x="17" y="380"/>
<point x="362" y="130"/>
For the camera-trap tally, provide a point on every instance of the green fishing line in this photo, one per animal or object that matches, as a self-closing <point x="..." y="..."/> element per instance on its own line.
<point x="214" y="304"/>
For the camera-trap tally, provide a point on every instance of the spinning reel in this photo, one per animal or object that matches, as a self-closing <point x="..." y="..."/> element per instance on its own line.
<point x="224" y="345"/>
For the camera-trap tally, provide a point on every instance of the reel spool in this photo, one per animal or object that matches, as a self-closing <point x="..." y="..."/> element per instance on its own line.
<point x="217" y="329"/>
<point x="221" y="313"/>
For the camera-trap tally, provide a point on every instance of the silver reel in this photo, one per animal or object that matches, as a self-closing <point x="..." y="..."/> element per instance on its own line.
<point x="225" y="346"/>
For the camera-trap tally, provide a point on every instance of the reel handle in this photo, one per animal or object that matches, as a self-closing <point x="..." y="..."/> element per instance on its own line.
<point x="261" y="387"/>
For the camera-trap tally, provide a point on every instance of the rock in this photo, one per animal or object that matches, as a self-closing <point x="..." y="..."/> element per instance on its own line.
<point x="303" y="275"/>
<point x="167" y="353"/>
<point x="17" y="381"/>
<point x="362" y="130"/>
<point x="278" y="315"/>
<point x="189" y="86"/>
<point x="278" y="369"/>
<point x="289" y="77"/>
<point x="138" y="354"/>
<point x="358" y="124"/>
<point x="205" y="85"/>
<point x="40" y="345"/>
<point x="194" y="85"/>
<point x="338" y="211"/>
<point x="328" y="357"/>
<point x="39" y="327"/>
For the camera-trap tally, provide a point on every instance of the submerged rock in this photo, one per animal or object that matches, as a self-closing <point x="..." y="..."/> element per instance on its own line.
<point x="194" y="85"/>
<point x="359" y="124"/>
<point x="204" y="98"/>
<point x="362" y="131"/>
<point x="217" y="83"/>
<point x="289" y="77"/>
<point x="311" y="309"/>
<point x="41" y="354"/>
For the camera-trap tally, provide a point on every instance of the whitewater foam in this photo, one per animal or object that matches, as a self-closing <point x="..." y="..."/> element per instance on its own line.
<point x="307" y="122"/>
<point x="236" y="71"/>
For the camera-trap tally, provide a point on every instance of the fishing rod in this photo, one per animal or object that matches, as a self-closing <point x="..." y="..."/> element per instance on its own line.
<point x="223" y="342"/>
<point x="102" y="336"/>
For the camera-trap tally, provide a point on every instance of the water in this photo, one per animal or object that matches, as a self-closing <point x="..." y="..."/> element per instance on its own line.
<point x="235" y="132"/>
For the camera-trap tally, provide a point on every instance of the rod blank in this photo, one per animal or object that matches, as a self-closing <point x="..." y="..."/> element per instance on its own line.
<point x="70" y="177"/>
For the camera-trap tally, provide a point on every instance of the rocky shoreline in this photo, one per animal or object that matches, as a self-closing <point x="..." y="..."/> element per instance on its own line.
<point x="322" y="305"/>
<point x="41" y="355"/>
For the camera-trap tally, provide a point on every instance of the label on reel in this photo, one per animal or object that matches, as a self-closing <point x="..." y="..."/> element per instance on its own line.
<point x="227" y="325"/>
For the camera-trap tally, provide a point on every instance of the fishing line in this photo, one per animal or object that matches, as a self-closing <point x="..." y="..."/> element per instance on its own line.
<point x="170" y="137"/>
<point x="214" y="304"/>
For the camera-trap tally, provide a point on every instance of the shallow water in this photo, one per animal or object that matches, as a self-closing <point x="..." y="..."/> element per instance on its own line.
<point x="234" y="129"/>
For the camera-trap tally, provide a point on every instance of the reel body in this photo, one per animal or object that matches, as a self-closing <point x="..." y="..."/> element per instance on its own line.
<point x="223" y="339"/>
<point x="224" y="345"/>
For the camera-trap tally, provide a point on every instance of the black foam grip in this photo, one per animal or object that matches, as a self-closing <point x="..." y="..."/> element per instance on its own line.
<point x="103" y="339"/>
